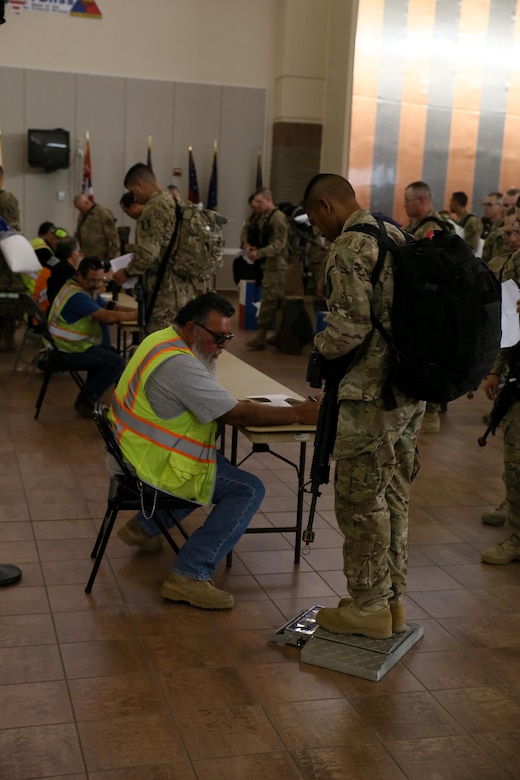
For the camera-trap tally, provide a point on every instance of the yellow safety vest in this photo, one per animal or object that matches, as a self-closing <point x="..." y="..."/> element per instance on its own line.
<point x="176" y="456"/>
<point x="77" y="336"/>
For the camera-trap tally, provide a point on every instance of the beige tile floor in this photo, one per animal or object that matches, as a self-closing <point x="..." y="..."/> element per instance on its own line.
<point x="121" y="685"/>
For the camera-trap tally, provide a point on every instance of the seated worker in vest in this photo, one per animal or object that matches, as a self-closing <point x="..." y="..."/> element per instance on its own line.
<point x="78" y="321"/>
<point x="67" y="258"/>
<point x="165" y="412"/>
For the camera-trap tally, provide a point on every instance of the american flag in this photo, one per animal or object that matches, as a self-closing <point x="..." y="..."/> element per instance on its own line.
<point x="86" y="181"/>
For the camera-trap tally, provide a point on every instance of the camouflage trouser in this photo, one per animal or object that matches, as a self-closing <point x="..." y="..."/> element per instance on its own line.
<point x="511" y="430"/>
<point x="167" y="305"/>
<point x="377" y="460"/>
<point x="272" y="296"/>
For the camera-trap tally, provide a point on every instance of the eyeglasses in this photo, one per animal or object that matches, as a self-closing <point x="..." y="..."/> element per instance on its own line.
<point x="218" y="338"/>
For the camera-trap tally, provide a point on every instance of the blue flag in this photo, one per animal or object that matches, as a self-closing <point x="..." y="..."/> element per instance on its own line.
<point x="212" y="202"/>
<point x="193" y="186"/>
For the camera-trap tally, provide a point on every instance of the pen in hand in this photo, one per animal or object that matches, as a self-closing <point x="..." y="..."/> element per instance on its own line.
<point x="312" y="398"/>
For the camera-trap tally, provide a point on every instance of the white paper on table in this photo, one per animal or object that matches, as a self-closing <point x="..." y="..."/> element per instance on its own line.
<point x="121" y="262"/>
<point x="276" y="399"/>
<point x="510" y="319"/>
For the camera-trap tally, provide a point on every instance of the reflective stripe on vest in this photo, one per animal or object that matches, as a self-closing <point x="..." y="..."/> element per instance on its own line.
<point x="77" y="336"/>
<point x="176" y="456"/>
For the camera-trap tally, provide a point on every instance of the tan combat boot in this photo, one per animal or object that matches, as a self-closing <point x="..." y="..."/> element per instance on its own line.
<point x="374" y="622"/>
<point x="133" y="535"/>
<point x="397" y="610"/>
<point x="198" y="593"/>
<point x="505" y="552"/>
<point x="259" y="341"/>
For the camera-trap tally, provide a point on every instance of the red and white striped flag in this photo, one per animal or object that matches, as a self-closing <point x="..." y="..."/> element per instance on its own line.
<point x="86" y="181"/>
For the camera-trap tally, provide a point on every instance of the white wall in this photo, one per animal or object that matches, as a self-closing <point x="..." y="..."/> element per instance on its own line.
<point x="207" y="41"/>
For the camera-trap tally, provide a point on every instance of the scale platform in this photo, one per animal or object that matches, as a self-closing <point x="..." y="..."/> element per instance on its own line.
<point x="352" y="654"/>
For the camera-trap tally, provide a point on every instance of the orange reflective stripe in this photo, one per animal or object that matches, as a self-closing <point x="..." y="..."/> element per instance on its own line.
<point x="125" y="419"/>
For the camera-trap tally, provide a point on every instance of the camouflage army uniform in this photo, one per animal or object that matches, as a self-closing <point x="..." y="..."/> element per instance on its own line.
<point x="495" y="244"/>
<point x="497" y="264"/>
<point x="511" y="420"/>
<point x="153" y="232"/>
<point x="420" y="227"/>
<point x="274" y="229"/>
<point x="11" y="310"/>
<point x="10" y="209"/>
<point x="97" y="234"/>
<point x="375" y="450"/>
<point x="10" y="284"/>
<point x="472" y="228"/>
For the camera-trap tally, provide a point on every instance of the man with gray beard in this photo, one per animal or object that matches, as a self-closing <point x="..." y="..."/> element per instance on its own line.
<point x="165" y="413"/>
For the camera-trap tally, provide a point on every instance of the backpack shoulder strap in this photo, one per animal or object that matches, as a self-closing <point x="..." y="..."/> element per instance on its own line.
<point x="385" y="244"/>
<point x="164" y="262"/>
<point x="440" y="222"/>
<point x="468" y="215"/>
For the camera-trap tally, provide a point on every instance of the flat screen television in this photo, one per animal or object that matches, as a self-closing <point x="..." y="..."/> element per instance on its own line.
<point x="48" y="149"/>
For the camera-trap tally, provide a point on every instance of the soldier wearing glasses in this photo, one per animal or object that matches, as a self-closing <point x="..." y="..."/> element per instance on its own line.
<point x="165" y="411"/>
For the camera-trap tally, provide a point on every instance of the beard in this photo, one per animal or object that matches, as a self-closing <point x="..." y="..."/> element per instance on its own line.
<point x="210" y="362"/>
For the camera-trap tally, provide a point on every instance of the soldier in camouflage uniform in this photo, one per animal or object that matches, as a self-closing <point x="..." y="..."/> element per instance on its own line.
<point x="96" y="230"/>
<point x="9" y="207"/>
<point x="494" y="212"/>
<point x="423" y="219"/>
<point x="153" y="232"/>
<point x="470" y="223"/>
<point x="512" y="236"/>
<point x="272" y="253"/>
<point x="10" y="284"/>
<point x="509" y="510"/>
<point x="375" y="449"/>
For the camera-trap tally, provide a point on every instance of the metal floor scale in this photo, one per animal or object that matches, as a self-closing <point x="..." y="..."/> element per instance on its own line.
<point x="352" y="654"/>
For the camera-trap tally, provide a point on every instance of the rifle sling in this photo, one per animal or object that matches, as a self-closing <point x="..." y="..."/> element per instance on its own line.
<point x="164" y="262"/>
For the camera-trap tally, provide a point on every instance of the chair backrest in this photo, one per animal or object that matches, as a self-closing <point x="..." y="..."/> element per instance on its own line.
<point x="33" y="310"/>
<point x="100" y="416"/>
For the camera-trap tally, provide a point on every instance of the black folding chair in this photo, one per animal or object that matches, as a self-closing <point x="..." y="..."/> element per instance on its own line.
<point x="126" y="491"/>
<point x="32" y="335"/>
<point x="50" y="360"/>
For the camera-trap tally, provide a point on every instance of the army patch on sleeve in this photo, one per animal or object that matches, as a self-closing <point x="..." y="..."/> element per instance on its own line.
<point x="145" y="224"/>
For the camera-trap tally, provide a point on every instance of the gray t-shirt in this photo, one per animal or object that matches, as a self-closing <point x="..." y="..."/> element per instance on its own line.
<point x="182" y="382"/>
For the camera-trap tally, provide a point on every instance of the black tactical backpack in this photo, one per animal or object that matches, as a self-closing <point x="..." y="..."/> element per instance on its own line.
<point x="446" y="314"/>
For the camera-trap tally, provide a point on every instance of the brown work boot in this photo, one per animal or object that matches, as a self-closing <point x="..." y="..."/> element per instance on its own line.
<point x="258" y="342"/>
<point x="497" y="516"/>
<point x="505" y="552"/>
<point x="373" y="622"/>
<point x="397" y="610"/>
<point x="198" y="593"/>
<point x="272" y="341"/>
<point x="133" y="535"/>
<point x="431" y="422"/>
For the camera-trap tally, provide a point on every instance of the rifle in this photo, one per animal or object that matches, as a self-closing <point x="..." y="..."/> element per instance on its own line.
<point x="332" y="372"/>
<point x="509" y="393"/>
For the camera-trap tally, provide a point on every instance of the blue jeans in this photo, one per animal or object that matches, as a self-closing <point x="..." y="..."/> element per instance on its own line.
<point x="237" y="496"/>
<point x="103" y="365"/>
